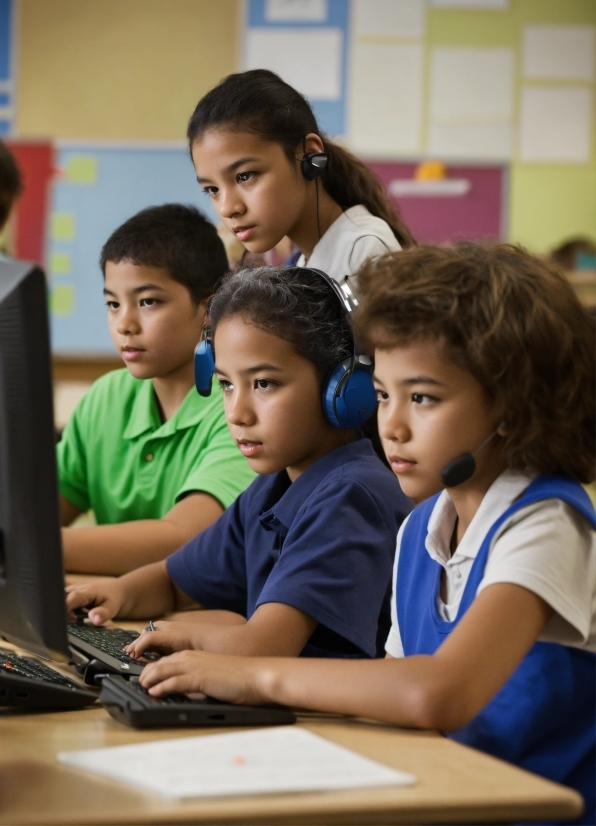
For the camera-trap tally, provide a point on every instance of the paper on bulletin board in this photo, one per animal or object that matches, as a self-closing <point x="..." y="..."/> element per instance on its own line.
<point x="406" y="18"/>
<point x="499" y="5"/>
<point x="309" y="60"/>
<point x="471" y="84"/>
<point x="81" y="169"/>
<point x="555" y="124"/>
<point x="559" y="52"/>
<point x="389" y="121"/>
<point x="62" y="299"/>
<point x="63" y="226"/>
<point x="471" y="102"/>
<point x="294" y="11"/>
<point x="473" y="142"/>
<point x="60" y="263"/>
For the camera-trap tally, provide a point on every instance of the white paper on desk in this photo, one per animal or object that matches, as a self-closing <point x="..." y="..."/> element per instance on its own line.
<point x="262" y="761"/>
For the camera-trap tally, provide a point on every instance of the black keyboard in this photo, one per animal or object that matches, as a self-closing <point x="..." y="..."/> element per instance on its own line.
<point x="28" y="683"/>
<point x="128" y="702"/>
<point x="103" y="648"/>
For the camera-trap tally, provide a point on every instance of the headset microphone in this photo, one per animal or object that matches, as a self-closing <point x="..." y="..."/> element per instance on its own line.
<point x="462" y="468"/>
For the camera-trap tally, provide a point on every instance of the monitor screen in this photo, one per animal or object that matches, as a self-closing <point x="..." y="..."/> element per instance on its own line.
<point x="32" y="608"/>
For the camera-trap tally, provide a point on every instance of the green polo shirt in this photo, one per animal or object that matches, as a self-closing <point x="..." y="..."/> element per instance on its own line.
<point x="117" y="457"/>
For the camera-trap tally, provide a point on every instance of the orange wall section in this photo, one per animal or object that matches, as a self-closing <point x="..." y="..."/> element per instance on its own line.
<point x="119" y="69"/>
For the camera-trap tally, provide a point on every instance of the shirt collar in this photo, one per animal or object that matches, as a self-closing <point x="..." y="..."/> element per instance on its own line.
<point x="281" y="514"/>
<point x="502" y="493"/>
<point x="144" y="416"/>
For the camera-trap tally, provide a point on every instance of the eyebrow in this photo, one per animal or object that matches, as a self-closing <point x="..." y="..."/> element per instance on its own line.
<point x="232" y="167"/>
<point x="137" y="290"/>
<point x="412" y="380"/>
<point x="258" y="368"/>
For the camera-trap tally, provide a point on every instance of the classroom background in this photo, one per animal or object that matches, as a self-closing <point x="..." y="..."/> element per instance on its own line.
<point x="478" y="115"/>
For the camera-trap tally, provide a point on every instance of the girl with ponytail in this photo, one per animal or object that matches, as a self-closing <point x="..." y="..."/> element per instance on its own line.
<point x="270" y="171"/>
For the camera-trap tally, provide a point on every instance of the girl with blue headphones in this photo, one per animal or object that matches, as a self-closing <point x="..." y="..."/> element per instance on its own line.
<point x="302" y="558"/>
<point x="271" y="173"/>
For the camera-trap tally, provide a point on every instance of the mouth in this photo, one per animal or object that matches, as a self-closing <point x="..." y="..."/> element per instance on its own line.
<point x="131" y="353"/>
<point x="401" y="465"/>
<point x="244" y="233"/>
<point x="248" y="448"/>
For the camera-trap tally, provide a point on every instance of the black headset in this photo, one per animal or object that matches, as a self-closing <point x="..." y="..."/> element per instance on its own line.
<point x="313" y="164"/>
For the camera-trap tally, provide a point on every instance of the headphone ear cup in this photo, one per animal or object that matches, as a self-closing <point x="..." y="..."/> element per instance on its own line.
<point x="204" y="366"/>
<point x="349" y="401"/>
<point x="313" y="164"/>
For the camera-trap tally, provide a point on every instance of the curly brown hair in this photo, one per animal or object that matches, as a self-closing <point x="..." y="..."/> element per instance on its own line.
<point x="515" y="323"/>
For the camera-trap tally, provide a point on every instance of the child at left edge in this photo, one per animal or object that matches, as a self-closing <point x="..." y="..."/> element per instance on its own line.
<point x="484" y="367"/>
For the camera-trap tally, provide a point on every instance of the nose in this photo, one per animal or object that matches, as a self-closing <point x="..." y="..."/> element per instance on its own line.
<point x="128" y="323"/>
<point x="230" y="202"/>
<point x="393" y="424"/>
<point x="239" y="411"/>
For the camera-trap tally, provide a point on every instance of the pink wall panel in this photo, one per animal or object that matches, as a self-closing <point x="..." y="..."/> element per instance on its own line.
<point x="476" y="215"/>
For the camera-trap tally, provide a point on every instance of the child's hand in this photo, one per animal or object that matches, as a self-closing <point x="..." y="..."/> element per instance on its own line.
<point x="169" y="637"/>
<point x="227" y="678"/>
<point x="104" y="598"/>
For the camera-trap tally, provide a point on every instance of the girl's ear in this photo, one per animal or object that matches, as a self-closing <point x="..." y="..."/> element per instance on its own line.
<point x="309" y="144"/>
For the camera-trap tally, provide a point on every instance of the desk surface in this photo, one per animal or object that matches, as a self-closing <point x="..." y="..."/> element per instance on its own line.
<point x="455" y="784"/>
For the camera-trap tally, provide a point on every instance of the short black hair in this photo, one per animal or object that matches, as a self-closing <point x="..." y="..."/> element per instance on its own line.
<point x="11" y="183"/>
<point x="176" y="238"/>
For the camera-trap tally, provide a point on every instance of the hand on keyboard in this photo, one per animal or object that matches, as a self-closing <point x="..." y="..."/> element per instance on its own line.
<point x="167" y="638"/>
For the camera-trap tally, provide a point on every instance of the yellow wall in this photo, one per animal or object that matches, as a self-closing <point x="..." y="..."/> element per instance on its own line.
<point x="119" y="69"/>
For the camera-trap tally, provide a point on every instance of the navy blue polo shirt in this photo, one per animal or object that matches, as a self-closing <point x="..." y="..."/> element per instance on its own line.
<point x="324" y="544"/>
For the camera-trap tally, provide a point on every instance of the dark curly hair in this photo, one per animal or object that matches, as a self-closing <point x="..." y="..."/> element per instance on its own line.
<point x="515" y="323"/>
<point x="294" y="304"/>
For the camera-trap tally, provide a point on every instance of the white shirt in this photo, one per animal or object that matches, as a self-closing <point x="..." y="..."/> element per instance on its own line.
<point x="352" y="238"/>
<point x="546" y="547"/>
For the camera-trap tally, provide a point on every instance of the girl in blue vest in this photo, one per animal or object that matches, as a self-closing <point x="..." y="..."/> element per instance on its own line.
<point x="484" y="367"/>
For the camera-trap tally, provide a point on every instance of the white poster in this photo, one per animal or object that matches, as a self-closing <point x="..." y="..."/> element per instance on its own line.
<point x="559" y="52"/>
<point x="396" y="18"/>
<point x="555" y="124"/>
<point x="385" y="108"/>
<point x="471" y="103"/>
<point x="299" y="11"/>
<point x="307" y="59"/>
<point x="485" y="5"/>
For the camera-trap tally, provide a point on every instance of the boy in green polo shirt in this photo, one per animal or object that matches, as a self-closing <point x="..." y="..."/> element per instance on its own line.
<point x="152" y="458"/>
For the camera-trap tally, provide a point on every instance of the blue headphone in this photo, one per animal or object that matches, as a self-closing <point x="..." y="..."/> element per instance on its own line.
<point x="348" y="399"/>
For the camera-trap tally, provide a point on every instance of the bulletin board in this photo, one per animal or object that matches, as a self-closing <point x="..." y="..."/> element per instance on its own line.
<point x="478" y="213"/>
<point x="95" y="190"/>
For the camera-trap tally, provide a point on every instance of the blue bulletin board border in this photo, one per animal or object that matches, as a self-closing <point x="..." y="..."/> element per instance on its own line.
<point x="330" y="114"/>
<point x="6" y="66"/>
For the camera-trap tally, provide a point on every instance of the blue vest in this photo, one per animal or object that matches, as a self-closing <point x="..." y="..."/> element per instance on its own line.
<point x="544" y="717"/>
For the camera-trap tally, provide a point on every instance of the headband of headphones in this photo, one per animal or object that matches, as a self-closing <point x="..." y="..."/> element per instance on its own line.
<point x="348" y="397"/>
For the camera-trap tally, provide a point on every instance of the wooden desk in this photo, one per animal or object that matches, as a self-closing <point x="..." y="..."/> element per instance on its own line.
<point x="455" y="784"/>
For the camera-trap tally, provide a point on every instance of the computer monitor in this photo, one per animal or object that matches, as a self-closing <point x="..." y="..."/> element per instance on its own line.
<point x="32" y="607"/>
